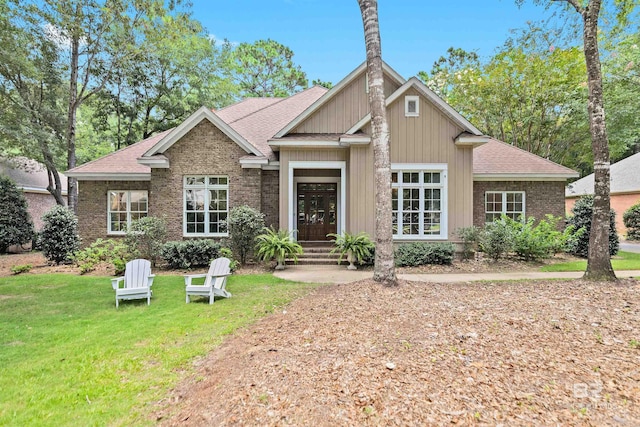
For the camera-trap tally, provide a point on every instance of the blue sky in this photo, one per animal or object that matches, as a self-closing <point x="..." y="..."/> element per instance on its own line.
<point x="327" y="37"/>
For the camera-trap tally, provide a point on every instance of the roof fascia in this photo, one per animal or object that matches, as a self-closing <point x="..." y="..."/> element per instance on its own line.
<point x="431" y="96"/>
<point x="523" y="177"/>
<point x="101" y="176"/>
<point x="202" y="113"/>
<point x="332" y="92"/>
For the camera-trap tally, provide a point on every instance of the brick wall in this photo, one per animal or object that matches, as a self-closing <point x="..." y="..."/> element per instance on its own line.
<point x="542" y="197"/>
<point x="92" y="206"/>
<point x="205" y="150"/>
<point x="38" y="205"/>
<point x="270" y="197"/>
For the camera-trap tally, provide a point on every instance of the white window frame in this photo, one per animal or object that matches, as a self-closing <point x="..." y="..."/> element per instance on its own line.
<point x="128" y="211"/>
<point x="504" y="203"/>
<point x="206" y="187"/>
<point x="407" y="100"/>
<point x="421" y="169"/>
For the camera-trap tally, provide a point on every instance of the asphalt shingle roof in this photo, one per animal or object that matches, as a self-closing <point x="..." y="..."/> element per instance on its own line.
<point x="625" y="178"/>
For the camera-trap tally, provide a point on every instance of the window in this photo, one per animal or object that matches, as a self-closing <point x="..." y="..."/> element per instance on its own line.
<point x="411" y="106"/>
<point x="418" y="199"/>
<point x="206" y="205"/>
<point x="510" y="203"/>
<point x="125" y="207"/>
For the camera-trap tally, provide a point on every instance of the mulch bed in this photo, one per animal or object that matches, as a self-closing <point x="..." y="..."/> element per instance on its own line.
<point x="535" y="353"/>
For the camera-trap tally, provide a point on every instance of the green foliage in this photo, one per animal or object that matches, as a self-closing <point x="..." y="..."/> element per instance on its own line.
<point x="631" y="219"/>
<point x="277" y="245"/>
<point x="581" y="217"/>
<point x="360" y="246"/>
<point x="470" y="238"/>
<point x="228" y="253"/>
<point x="265" y="68"/>
<point x="16" y="227"/>
<point x="244" y="224"/>
<point x="497" y="240"/>
<point x="145" y="238"/>
<point x="535" y="242"/>
<point x="109" y="251"/>
<point x="187" y="254"/>
<point x="423" y="253"/>
<point x="59" y="238"/>
<point x="23" y="268"/>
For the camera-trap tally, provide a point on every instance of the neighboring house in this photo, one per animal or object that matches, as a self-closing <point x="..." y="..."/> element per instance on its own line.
<point x="32" y="178"/>
<point x="306" y="162"/>
<point x="624" y="190"/>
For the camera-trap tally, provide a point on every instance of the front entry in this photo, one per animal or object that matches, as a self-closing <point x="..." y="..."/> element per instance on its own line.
<point x="316" y="211"/>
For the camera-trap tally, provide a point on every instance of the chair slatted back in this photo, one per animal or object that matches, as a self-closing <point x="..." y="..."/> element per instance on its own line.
<point x="219" y="266"/>
<point x="137" y="273"/>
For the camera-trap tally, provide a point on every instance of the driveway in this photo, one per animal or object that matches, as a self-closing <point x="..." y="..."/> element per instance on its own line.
<point x="630" y="247"/>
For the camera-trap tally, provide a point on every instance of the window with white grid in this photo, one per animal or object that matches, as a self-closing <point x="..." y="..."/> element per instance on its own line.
<point x="206" y="205"/>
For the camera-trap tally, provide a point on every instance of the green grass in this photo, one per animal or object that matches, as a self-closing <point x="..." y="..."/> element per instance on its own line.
<point x="622" y="261"/>
<point x="68" y="357"/>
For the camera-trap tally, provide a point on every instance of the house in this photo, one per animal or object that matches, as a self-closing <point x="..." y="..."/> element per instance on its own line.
<point x="32" y="178"/>
<point x="306" y="162"/>
<point x="624" y="190"/>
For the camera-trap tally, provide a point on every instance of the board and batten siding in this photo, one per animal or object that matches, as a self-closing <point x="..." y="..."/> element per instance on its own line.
<point x="428" y="138"/>
<point x="344" y="109"/>
<point x="304" y="155"/>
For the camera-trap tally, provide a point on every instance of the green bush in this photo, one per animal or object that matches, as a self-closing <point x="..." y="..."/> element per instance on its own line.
<point x="16" y="227"/>
<point x="23" y="268"/>
<point x="109" y="251"/>
<point x="59" y="238"/>
<point x="360" y="245"/>
<point x="244" y="225"/>
<point x="470" y="239"/>
<point x="535" y="242"/>
<point x="422" y="253"/>
<point x="581" y="219"/>
<point x="145" y="238"/>
<point x="228" y="253"/>
<point x="190" y="253"/>
<point x="497" y="238"/>
<point x="277" y="245"/>
<point x="631" y="219"/>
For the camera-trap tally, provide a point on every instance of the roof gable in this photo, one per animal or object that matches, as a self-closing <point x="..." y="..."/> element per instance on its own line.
<point x="427" y="93"/>
<point x="333" y="92"/>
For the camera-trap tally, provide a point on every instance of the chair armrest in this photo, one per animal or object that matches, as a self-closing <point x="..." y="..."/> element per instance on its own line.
<point x="189" y="277"/>
<point x="115" y="283"/>
<point x="151" y="277"/>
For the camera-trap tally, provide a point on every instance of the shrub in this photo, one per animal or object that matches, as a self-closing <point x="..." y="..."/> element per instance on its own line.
<point x="631" y="219"/>
<point x="470" y="238"/>
<point x="228" y="253"/>
<point x="582" y="212"/>
<point x="145" y="238"/>
<point x="16" y="227"/>
<point x="190" y="253"/>
<point x="277" y="245"/>
<point x="360" y="246"/>
<point x="109" y="251"/>
<point x="59" y="238"/>
<point x="496" y="239"/>
<point x="19" y="269"/>
<point x="421" y="253"/>
<point x="244" y="224"/>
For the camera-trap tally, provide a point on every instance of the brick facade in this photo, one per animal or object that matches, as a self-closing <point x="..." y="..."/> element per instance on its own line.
<point x="92" y="206"/>
<point x="542" y="197"/>
<point x="38" y="205"/>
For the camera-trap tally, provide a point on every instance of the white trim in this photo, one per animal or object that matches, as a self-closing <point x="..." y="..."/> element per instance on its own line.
<point x="206" y="187"/>
<point x="523" y="177"/>
<point x="158" y="161"/>
<point x="503" y="202"/>
<point x="472" y="140"/>
<point x="333" y="91"/>
<point x="442" y="168"/>
<point x="413" y="82"/>
<point x="202" y="113"/>
<point x="342" y="191"/>
<point x="37" y="190"/>
<point x="407" y="100"/>
<point x="128" y="211"/>
<point x="272" y="166"/>
<point x="255" y="163"/>
<point x="355" y="140"/>
<point x="102" y="176"/>
<point x="306" y="143"/>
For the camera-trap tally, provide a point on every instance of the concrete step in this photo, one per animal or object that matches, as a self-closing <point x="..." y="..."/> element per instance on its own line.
<point x="315" y="261"/>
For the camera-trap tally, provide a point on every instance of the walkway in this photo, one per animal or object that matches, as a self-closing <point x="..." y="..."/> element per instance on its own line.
<point x="339" y="274"/>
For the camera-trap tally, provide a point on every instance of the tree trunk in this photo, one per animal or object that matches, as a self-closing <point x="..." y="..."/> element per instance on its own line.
<point x="72" y="183"/>
<point x="599" y="260"/>
<point x="384" y="270"/>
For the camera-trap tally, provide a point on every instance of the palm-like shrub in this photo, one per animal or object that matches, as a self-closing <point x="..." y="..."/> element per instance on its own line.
<point x="16" y="227"/>
<point x="356" y="247"/>
<point x="278" y="245"/>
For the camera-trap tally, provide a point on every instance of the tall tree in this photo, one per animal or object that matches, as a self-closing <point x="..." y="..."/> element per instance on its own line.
<point x="384" y="270"/>
<point x="598" y="261"/>
<point x="265" y="68"/>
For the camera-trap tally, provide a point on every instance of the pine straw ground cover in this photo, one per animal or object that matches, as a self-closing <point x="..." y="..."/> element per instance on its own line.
<point x="527" y="353"/>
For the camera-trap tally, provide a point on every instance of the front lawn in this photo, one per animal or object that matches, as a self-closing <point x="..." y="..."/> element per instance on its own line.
<point x="68" y="357"/>
<point x="622" y="261"/>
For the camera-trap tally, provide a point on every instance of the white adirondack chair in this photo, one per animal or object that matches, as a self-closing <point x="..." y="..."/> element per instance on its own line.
<point x="136" y="282"/>
<point x="215" y="281"/>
